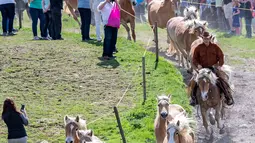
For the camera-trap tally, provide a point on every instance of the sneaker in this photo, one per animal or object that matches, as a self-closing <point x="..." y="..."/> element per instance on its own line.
<point x="4" y="34"/>
<point x="99" y="40"/>
<point x="36" y="38"/>
<point x="11" y="34"/>
<point x="45" y="38"/>
<point x="106" y="58"/>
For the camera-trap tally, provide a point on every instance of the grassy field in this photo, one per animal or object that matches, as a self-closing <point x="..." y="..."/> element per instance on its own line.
<point x="58" y="78"/>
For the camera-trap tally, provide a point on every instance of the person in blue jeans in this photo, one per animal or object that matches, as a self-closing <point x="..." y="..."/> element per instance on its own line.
<point x="36" y="13"/>
<point x="85" y="14"/>
<point x="110" y="36"/>
<point x="7" y="8"/>
<point x="248" y="18"/>
<point x="47" y="14"/>
<point x="15" y="121"/>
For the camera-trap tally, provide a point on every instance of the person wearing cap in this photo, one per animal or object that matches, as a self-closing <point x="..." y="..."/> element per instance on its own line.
<point x="209" y="55"/>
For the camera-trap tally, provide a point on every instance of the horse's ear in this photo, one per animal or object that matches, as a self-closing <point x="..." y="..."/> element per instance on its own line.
<point x="195" y="22"/>
<point x="209" y="72"/>
<point x="205" y="23"/>
<point x="169" y="96"/>
<point x="187" y="9"/>
<point x="178" y="123"/>
<point x="196" y="10"/>
<point x="77" y="119"/>
<point x="90" y="133"/>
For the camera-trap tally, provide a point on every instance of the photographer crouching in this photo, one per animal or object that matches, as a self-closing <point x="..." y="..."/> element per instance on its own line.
<point x="110" y="11"/>
<point x="15" y="121"/>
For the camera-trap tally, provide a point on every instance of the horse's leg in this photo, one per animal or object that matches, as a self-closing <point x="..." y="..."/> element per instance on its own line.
<point x="223" y="111"/>
<point x="204" y="117"/>
<point x="211" y="117"/>
<point x="198" y="116"/>
<point x="218" y="119"/>
<point x="20" y="18"/>
<point x="132" y="26"/>
<point x="73" y="13"/>
<point x="127" y="29"/>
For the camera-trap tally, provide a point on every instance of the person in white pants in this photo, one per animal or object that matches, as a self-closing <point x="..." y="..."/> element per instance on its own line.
<point x="98" y="19"/>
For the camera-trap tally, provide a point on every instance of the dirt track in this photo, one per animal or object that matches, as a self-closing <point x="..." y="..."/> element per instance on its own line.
<point x="240" y="118"/>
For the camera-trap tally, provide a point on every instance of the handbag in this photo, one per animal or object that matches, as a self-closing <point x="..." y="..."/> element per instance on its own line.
<point x="114" y="18"/>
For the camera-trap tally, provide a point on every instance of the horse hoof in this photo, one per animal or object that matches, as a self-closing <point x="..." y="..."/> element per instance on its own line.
<point x="222" y="131"/>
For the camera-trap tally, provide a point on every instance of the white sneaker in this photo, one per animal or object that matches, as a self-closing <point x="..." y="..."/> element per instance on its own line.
<point x="36" y="38"/>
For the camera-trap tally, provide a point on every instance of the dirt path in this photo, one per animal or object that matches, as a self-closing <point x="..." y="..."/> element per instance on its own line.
<point x="240" y="118"/>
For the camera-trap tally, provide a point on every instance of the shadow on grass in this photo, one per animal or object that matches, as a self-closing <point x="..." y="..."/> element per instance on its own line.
<point x="112" y="63"/>
<point x="95" y="42"/>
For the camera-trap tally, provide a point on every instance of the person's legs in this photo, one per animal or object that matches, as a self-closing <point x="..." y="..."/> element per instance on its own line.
<point x="10" y="14"/>
<point x="142" y="10"/>
<point x="87" y="23"/>
<point x="248" y="27"/>
<point x="57" y="24"/>
<point x="4" y="18"/>
<point x="46" y="23"/>
<point x="34" y="15"/>
<point x="42" y="23"/>
<point x="98" y="25"/>
<point x="113" y="40"/>
<point x="107" y="41"/>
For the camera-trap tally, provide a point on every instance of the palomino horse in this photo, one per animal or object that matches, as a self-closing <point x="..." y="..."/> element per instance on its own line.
<point x="71" y="7"/>
<point x="87" y="136"/>
<point x="179" y="130"/>
<point x="160" y="12"/>
<point x="127" y="15"/>
<point x="82" y="123"/>
<point x="166" y="111"/>
<point x="182" y="32"/>
<point x="71" y="129"/>
<point x="209" y="97"/>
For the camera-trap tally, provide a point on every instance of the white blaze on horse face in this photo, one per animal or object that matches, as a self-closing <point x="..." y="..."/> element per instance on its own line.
<point x="204" y="90"/>
<point x="69" y="137"/>
<point x="171" y="133"/>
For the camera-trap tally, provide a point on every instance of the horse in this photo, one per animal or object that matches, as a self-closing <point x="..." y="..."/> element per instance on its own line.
<point x="160" y="12"/>
<point x="88" y="136"/>
<point x="166" y="111"/>
<point x="81" y="122"/>
<point x="179" y="130"/>
<point x="71" y="132"/>
<point x="182" y="31"/>
<point x="127" y="15"/>
<point x="71" y="7"/>
<point x="209" y="97"/>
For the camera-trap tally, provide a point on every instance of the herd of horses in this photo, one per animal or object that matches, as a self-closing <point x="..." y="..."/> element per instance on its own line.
<point x="172" y="124"/>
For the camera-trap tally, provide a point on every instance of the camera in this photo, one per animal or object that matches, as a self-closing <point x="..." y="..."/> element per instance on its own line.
<point x="22" y="107"/>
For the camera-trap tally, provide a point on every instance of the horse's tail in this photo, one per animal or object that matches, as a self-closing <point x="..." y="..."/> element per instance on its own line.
<point x="227" y="69"/>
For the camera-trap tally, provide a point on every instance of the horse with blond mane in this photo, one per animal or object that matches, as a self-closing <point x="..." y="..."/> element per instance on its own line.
<point x="166" y="111"/>
<point x="179" y="130"/>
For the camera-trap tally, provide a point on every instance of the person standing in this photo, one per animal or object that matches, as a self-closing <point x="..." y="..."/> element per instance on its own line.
<point x="140" y="11"/>
<point x="7" y="8"/>
<point x="228" y="13"/>
<point x="248" y="18"/>
<point x="36" y="13"/>
<point x="56" y="6"/>
<point x="47" y="14"/>
<point x="15" y="121"/>
<point x="85" y="14"/>
<point x="97" y="15"/>
<point x="236" y="20"/>
<point x="110" y="32"/>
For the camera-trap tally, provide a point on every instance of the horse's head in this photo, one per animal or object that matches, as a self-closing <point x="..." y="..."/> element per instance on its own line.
<point x="70" y="129"/>
<point x="205" y="79"/>
<point x="134" y="2"/>
<point x="85" y="135"/>
<point x="178" y="129"/>
<point x="163" y="105"/>
<point x="190" y="13"/>
<point x="197" y="27"/>
<point x="81" y="123"/>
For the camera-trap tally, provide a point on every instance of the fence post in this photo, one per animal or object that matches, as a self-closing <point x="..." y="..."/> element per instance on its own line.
<point x="144" y="80"/>
<point x="119" y="124"/>
<point x="156" y="39"/>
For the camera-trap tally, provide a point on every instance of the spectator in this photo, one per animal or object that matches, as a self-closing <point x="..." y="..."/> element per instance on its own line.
<point x="15" y="121"/>
<point x="7" y="8"/>
<point x="97" y="15"/>
<point x="36" y="13"/>
<point x="248" y="18"/>
<point x="140" y="11"/>
<point x="228" y="13"/>
<point x="85" y="14"/>
<point x="236" y="20"/>
<point x="253" y="15"/>
<point x="110" y="32"/>
<point x="220" y="15"/>
<point x="241" y="15"/>
<point x="183" y="5"/>
<point x="55" y="8"/>
<point x="47" y="14"/>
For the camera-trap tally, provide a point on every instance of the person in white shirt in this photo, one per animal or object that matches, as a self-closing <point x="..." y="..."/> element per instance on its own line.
<point x="110" y="33"/>
<point x="97" y="16"/>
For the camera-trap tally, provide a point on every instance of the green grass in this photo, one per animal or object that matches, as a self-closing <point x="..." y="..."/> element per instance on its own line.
<point x="58" y="78"/>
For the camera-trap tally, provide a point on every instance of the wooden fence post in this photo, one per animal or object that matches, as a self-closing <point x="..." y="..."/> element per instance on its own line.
<point x="119" y="124"/>
<point x="156" y="40"/>
<point x="144" y="80"/>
